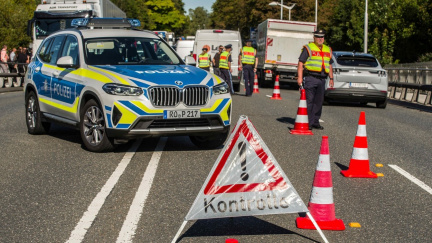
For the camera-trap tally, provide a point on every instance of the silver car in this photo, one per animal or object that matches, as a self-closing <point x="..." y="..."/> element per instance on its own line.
<point x="358" y="77"/>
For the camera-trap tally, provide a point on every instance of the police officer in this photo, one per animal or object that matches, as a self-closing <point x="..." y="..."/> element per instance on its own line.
<point x="313" y="69"/>
<point x="215" y="61"/>
<point x="225" y="66"/>
<point x="248" y="64"/>
<point x="204" y="59"/>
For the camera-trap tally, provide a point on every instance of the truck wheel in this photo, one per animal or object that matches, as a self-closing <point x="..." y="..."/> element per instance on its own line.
<point x="381" y="104"/>
<point x="33" y="116"/>
<point x="210" y="142"/>
<point x="92" y="128"/>
<point x="9" y="82"/>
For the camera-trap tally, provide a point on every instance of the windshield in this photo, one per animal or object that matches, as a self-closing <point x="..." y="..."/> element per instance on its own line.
<point x="129" y="51"/>
<point x="45" y="27"/>
<point x="357" y="61"/>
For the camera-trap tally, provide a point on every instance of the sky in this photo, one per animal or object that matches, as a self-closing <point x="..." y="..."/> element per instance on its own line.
<point x="198" y="3"/>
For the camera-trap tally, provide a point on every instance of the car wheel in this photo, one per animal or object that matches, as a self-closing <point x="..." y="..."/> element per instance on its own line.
<point x="92" y="128"/>
<point x="363" y="103"/>
<point x="210" y="142"/>
<point x="33" y="116"/>
<point x="381" y="104"/>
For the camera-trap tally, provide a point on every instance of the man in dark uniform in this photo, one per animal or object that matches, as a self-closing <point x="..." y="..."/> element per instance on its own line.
<point x="225" y="66"/>
<point x="249" y="63"/>
<point x="313" y="69"/>
<point x="215" y="61"/>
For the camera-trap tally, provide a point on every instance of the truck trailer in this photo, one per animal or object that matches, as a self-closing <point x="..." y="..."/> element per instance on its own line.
<point x="53" y="15"/>
<point x="279" y="44"/>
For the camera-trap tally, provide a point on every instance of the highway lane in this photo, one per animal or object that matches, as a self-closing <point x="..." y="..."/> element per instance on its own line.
<point x="48" y="181"/>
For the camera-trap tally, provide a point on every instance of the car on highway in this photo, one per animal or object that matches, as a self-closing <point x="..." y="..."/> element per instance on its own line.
<point x="115" y="83"/>
<point x="358" y="77"/>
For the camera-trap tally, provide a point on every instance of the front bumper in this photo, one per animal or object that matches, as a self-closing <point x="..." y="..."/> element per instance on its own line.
<point x="355" y="95"/>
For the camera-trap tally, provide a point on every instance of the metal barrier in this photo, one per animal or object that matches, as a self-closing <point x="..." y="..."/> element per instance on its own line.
<point x="9" y="79"/>
<point x="411" y="80"/>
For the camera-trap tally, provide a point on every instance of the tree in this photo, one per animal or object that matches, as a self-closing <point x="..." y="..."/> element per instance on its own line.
<point x="198" y="19"/>
<point x="164" y="16"/>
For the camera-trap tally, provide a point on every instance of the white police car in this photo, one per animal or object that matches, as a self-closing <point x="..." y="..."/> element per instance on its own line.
<point x="115" y="83"/>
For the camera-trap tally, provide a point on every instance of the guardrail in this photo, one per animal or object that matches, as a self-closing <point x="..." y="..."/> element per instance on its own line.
<point x="413" y="84"/>
<point x="15" y="79"/>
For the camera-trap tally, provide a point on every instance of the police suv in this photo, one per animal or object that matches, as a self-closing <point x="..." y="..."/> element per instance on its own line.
<point x="115" y="83"/>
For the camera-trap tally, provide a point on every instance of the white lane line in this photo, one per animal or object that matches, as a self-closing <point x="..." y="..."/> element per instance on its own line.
<point x="412" y="178"/>
<point x="89" y="216"/>
<point x="130" y="224"/>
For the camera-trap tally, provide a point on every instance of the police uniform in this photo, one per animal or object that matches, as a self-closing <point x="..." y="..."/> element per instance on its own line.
<point x="225" y="59"/>
<point x="204" y="60"/>
<point x="316" y="69"/>
<point x="248" y="56"/>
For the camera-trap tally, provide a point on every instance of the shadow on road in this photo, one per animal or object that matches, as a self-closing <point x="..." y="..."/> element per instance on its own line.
<point x="237" y="226"/>
<point x="286" y="120"/>
<point x="341" y="166"/>
<point x="410" y="105"/>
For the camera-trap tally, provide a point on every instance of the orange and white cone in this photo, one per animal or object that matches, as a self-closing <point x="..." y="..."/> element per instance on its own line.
<point x="321" y="205"/>
<point x="301" y="125"/>
<point x="276" y="90"/>
<point x="359" y="164"/>
<point x="255" y="87"/>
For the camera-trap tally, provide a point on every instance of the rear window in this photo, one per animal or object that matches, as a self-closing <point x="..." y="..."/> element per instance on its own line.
<point x="357" y="61"/>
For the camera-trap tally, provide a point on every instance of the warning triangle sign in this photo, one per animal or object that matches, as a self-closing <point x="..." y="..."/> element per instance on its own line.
<point x="245" y="180"/>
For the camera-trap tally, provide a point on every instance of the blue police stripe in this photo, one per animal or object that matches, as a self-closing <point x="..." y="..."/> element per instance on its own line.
<point x="133" y="107"/>
<point x="108" y="108"/>
<point x="109" y="120"/>
<point x="220" y="107"/>
<point x="123" y="126"/>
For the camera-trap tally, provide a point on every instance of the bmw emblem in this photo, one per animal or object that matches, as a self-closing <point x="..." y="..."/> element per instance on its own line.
<point x="179" y="83"/>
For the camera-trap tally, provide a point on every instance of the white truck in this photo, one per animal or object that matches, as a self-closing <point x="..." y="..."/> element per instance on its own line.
<point x="53" y="15"/>
<point x="279" y="44"/>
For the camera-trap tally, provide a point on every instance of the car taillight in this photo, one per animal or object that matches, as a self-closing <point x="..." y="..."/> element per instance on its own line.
<point x="194" y="56"/>
<point x="217" y="31"/>
<point x="336" y="70"/>
<point x="268" y="71"/>
<point x="382" y="74"/>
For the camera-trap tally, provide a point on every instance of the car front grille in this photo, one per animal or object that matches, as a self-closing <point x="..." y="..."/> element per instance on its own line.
<point x="165" y="96"/>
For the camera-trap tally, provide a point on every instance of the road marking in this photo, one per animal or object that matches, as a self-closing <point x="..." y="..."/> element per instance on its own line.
<point x="130" y="224"/>
<point x="412" y="178"/>
<point x="89" y="216"/>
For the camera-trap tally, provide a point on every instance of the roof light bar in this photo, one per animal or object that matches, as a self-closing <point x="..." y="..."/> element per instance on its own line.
<point x="106" y="23"/>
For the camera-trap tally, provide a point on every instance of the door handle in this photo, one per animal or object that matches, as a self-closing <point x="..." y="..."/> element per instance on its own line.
<point x="56" y="74"/>
<point x="37" y="69"/>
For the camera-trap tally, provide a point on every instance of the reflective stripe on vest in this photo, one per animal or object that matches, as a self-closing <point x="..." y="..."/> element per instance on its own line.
<point x="223" y="61"/>
<point x="248" y="55"/>
<point x="318" y="58"/>
<point x="204" y="60"/>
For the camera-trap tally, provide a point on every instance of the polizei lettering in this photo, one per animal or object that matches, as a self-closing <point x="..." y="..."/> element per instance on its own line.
<point x="61" y="90"/>
<point x="244" y="204"/>
<point x="162" y="71"/>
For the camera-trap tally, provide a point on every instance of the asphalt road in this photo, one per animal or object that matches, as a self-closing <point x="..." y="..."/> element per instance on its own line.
<point x="48" y="182"/>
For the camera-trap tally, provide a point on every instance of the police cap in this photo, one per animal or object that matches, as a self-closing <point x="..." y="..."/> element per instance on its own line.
<point x="228" y="46"/>
<point x="319" y="33"/>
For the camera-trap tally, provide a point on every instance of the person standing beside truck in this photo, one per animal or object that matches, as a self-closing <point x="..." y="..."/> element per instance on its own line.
<point x="249" y="61"/>
<point x="215" y="61"/>
<point x="313" y="69"/>
<point x="204" y="59"/>
<point x="4" y="58"/>
<point x="225" y="66"/>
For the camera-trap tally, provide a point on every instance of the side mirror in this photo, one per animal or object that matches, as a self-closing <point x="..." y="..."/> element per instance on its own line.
<point x="190" y="61"/>
<point x="66" y="62"/>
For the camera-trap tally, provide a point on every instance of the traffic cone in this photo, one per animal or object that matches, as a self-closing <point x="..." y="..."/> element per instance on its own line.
<point x="231" y="241"/>
<point x="321" y="204"/>
<point x="276" y="90"/>
<point x="255" y="88"/>
<point x="359" y="164"/>
<point x="301" y="125"/>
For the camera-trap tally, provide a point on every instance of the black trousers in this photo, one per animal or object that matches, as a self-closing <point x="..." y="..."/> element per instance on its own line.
<point x="248" y="76"/>
<point x="314" y="87"/>
<point x="226" y="75"/>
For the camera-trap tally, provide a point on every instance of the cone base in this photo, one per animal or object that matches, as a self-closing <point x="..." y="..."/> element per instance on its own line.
<point x="256" y="92"/>
<point x="301" y="132"/>
<point x="276" y="98"/>
<point x="356" y="174"/>
<point x="306" y="223"/>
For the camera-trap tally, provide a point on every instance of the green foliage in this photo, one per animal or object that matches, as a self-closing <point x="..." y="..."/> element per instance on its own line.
<point x="163" y="15"/>
<point x="198" y="19"/>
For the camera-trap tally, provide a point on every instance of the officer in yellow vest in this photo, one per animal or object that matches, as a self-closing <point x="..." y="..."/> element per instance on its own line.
<point x="204" y="59"/>
<point x="248" y="64"/>
<point x="313" y="69"/>
<point x="225" y="66"/>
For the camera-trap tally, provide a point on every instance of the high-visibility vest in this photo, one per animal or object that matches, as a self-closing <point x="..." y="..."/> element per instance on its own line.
<point x="223" y="61"/>
<point x="248" y="55"/>
<point x="318" y="58"/>
<point x="204" y="60"/>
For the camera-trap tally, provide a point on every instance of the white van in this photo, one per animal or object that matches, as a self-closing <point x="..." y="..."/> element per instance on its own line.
<point x="214" y="38"/>
<point x="184" y="48"/>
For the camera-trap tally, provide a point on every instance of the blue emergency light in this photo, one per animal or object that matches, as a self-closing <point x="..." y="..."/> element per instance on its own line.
<point x="106" y="23"/>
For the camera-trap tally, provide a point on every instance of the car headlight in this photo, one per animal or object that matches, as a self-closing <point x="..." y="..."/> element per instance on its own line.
<point x="119" y="89"/>
<point x="221" y="88"/>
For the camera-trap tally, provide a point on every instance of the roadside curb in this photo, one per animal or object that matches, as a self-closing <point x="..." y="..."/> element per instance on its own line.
<point x="12" y="89"/>
<point x="411" y="105"/>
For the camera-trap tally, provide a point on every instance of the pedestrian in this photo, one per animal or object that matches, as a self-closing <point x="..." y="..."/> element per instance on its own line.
<point x="313" y="69"/>
<point x="204" y="59"/>
<point x="248" y="64"/>
<point x="12" y="61"/>
<point x="4" y="58"/>
<point x="22" y="60"/>
<point x="215" y="61"/>
<point x="225" y="66"/>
